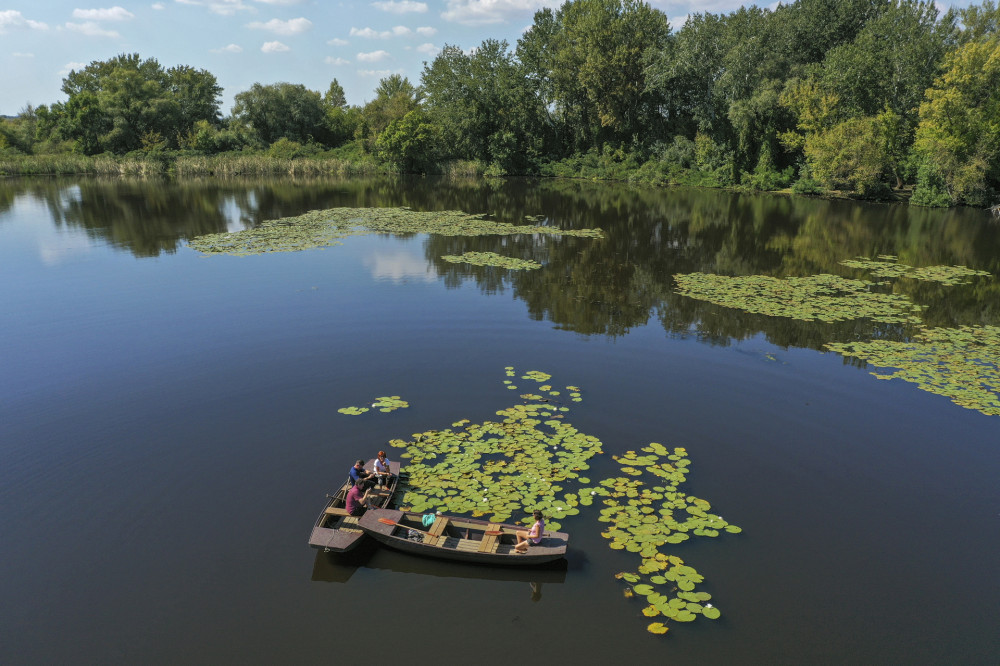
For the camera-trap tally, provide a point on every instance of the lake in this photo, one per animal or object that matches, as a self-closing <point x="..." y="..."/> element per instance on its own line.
<point x="169" y="425"/>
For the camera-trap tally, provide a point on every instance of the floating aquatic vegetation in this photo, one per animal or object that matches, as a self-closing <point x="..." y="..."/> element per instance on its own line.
<point x="492" y="259"/>
<point x="962" y="364"/>
<point x="645" y="518"/>
<point x="530" y="459"/>
<point x="324" y="228"/>
<point x="390" y="403"/>
<point x="823" y="297"/>
<point x="886" y="267"/>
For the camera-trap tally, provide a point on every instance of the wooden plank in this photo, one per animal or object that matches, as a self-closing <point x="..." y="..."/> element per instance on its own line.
<point x="336" y="511"/>
<point x="489" y="543"/>
<point x="437" y="527"/>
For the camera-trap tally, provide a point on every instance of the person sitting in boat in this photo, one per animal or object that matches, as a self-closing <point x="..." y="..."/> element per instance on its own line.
<point x="359" y="473"/>
<point x="532" y="536"/>
<point x="383" y="473"/>
<point x="357" y="498"/>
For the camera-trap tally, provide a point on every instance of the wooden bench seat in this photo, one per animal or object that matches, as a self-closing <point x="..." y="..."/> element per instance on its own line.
<point x="435" y="535"/>
<point x="490" y="542"/>
<point x="336" y="511"/>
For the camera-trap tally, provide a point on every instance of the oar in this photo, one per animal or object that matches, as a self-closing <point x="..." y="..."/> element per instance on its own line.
<point x="386" y="521"/>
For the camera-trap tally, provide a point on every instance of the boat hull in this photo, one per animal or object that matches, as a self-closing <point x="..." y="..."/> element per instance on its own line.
<point x="463" y="540"/>
<point x="338" y="533"/>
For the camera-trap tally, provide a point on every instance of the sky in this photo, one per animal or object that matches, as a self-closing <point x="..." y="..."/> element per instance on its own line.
<point x="243" y="42"/>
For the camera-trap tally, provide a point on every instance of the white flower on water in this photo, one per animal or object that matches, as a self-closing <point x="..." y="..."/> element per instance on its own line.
<point x="708" y="605"/>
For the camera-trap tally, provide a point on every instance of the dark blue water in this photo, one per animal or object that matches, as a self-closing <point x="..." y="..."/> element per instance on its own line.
<point x="168" y="427"/>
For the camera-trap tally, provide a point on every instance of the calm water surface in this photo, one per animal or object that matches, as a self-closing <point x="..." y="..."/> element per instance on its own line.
<point x="168" y="427"/>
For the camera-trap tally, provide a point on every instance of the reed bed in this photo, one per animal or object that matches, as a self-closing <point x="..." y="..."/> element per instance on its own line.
<point x="184" y="165"/>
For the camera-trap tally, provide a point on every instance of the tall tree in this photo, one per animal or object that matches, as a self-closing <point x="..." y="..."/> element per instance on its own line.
<point x="125" y="103"/>
<point x="395" y="96"/>
<point x="486" y="107"/>
<point x="280" y="110"/>
<point x="958" y="138"/>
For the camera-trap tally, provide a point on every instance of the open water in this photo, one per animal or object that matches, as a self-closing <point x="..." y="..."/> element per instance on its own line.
<point x="168" y="427"/>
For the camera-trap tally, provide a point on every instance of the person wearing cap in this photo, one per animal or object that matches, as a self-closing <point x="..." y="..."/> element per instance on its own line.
<point x="383" y="472"/>
<point x="359" y="473"/>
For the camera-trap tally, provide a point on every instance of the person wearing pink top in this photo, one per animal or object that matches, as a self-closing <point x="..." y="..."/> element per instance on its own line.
<point x="532" y="536"/>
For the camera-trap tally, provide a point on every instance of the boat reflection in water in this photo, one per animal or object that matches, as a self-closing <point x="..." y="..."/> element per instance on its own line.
<point x="339" y="567"/>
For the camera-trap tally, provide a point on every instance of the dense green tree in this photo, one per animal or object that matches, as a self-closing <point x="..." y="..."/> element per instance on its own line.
<point x="334" y="97"/>
<point x="126" y="103"/>
<point x="395" y="96"/>
<point x="280" y="110"/>
<point x="589" y="59"/>
<point x="409" y="142"/>
<point x="485" y="106"/>
<point x="893" y="60"/>
<point x="958" y="139"/>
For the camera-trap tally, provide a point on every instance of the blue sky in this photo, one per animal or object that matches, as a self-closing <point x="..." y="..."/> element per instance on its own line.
<point x="243" y="42"/>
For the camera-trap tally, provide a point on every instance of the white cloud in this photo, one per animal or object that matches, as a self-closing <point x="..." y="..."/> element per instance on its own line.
<point x="274" y="47"/>
<point x="400" y="267"/>
<point x="70" y="66"/>
<point x="401" y="7"/>
<point x="279" y="2"/>
<point x="158" y="6"/>
<point x="330" y="60"/>
<point x="376" y="73"/>
<point x="91" y="29"/>
<point x="479" y="12"/>
<point x="373" y="56"/>
<point x="112" y="14"/>
<point x="427" y="49"/>
<point x="336" y="41"/>
<point x="369" y="33"/>
<point x="290" y="27"/>
<point x="11" y="18"/>
<point x="229" y="48"/>
<point x="18" y="54"/>
<point x="427" y="31"/>
<point x="221" y="7"/>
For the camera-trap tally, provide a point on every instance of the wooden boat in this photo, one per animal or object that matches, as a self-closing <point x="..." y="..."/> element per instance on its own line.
<point x="458" y="538"/>
<point x="337" y="532"/>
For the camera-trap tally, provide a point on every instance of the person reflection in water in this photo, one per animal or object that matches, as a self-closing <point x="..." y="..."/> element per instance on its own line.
<point x="536" y="591"/>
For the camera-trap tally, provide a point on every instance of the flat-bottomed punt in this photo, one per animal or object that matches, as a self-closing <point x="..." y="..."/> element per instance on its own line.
<point x="458" y="538"/>
<point x="338" y="532"/>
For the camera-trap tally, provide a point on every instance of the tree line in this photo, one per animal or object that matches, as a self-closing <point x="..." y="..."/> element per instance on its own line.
<point x="862" y="96"/>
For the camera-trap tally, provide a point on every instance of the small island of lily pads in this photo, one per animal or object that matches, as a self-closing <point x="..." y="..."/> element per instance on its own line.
<point x="533" y="458"/>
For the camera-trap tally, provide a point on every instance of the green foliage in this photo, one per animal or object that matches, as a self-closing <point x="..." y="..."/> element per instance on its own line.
<point x="853" y="155"/>
<point x="125" y="104"/>
<point x="962" y="364"/>
<point x="409" y="142"/>
<point x="958" y="139"/>
<point x="280" y="110"/>
<point x="826" y="298"/>
<point x="492" y="259"/>
<point x="285" y="148"/>
<point x="485" y="107"/>
<point x="395" y="97"/>
<point x="322" y="228"/>
<point x="589" y="61"/>
<point x="806" y="184"/>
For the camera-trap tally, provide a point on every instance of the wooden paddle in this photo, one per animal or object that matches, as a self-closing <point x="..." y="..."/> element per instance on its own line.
<point x="386" y="521"/>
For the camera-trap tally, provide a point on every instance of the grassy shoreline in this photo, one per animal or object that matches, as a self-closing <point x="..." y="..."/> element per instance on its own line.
<point x="181" y="165"/>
